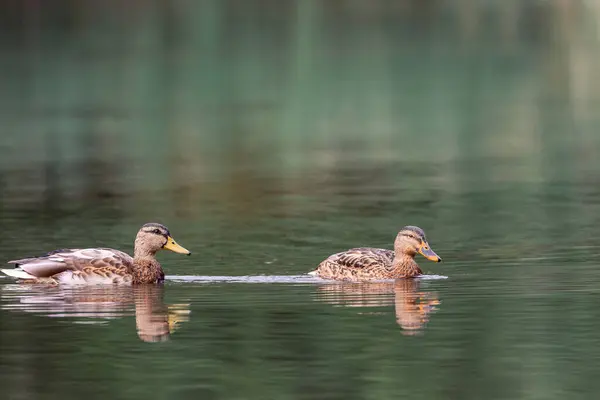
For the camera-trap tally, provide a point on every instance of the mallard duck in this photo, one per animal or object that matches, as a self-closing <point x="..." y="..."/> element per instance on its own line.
<point x="364" y="263"/>
<point x="101" y="265"/>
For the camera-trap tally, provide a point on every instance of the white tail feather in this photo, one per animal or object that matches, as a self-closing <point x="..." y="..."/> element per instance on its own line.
<point x="17" y="273"/>
<point x="313" y="273"/>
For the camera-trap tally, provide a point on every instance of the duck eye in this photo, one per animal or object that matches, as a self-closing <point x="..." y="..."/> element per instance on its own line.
<point x="157" y="231"/>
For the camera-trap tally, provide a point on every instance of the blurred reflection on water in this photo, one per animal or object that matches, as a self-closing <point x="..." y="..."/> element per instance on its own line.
<point x="270" y="134"/>
<point x="411" y="305"/>
<point x="155" y="320"/>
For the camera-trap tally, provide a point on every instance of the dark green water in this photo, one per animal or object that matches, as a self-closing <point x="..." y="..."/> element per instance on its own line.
<point x="268" y="135"/>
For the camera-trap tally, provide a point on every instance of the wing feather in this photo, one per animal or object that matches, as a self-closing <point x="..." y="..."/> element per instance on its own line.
<point x="362" y="257"/>
<point x="76" y="260"/>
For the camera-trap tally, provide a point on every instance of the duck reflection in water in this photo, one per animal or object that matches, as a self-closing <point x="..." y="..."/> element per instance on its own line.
<point x="412" y="306"/>
<point x="155" y="320"/>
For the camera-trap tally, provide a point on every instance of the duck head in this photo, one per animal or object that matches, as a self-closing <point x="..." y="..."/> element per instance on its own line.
<point x="412" y="240"/>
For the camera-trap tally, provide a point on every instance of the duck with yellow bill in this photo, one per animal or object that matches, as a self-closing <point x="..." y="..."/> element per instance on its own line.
<point x="367" y="264"/>
<point x="101" y="265"/>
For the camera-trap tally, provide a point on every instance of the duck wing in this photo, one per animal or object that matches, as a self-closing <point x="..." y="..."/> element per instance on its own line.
<point x="82" y="260"/>
<point x="361" y="258"/>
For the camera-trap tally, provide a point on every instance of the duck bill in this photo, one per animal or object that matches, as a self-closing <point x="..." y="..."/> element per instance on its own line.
<point x="174" y="247"/>
<point x="429" y="254"/>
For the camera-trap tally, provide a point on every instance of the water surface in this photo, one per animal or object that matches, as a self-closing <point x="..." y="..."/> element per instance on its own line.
<point x="268" y="135"/>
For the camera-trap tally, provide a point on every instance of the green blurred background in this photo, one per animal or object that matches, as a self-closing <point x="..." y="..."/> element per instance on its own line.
<point x="268" y="134"/>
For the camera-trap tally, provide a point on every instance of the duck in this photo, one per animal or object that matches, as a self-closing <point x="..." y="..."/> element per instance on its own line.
<point x="368" y="264"/>
<point x="101" y="265"/>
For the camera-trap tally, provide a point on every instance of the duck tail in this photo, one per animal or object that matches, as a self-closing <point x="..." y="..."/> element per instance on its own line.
<point x="17" y="273"/>
<point x="313" y="273"/>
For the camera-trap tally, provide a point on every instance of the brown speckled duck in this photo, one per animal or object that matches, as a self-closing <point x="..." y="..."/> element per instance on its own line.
<point x="365" y="264"/>
<point x="101" y="265"/>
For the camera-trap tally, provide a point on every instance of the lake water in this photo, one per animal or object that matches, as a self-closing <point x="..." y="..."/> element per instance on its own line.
<point x="268" y="135"/>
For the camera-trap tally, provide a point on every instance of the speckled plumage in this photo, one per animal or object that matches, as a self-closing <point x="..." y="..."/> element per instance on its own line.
<point x="100" y="265"/>
<point x="364" y="263"/>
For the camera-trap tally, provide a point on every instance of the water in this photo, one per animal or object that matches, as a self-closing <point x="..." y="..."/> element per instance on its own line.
<point x="268" y="135"/>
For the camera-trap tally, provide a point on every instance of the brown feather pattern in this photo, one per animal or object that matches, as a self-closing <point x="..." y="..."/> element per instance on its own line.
<point x="365" y="263"/>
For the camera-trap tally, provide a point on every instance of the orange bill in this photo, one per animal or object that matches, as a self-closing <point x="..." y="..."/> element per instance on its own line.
<point x="429" y="254"/>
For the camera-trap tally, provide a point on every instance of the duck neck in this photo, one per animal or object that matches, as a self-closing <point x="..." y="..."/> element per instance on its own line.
<point x="143" y="253"/>
<point x="405" y="265"/>
<point x="146" y="268"/>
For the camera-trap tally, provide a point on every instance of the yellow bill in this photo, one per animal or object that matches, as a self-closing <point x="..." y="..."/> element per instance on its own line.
<point x="174" y="247"/>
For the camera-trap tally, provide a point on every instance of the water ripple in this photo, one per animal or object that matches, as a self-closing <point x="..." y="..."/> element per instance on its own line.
<point x="293" y="279"/>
